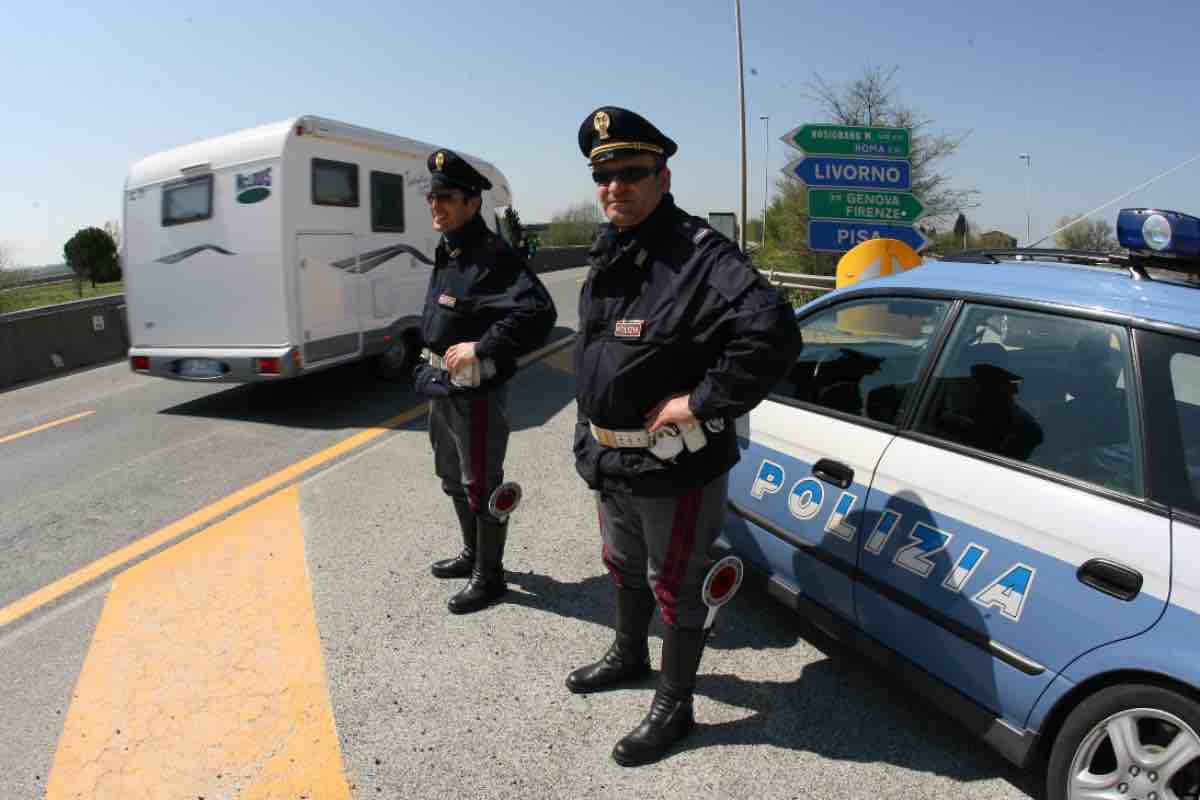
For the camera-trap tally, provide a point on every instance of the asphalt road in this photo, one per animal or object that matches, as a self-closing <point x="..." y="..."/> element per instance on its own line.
<point x="294" y="644"/>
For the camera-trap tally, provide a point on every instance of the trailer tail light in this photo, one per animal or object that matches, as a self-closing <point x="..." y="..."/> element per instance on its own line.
<point x="267" y="366"/>
<point x="140" y="363"/>
<point x="296" y="358"/>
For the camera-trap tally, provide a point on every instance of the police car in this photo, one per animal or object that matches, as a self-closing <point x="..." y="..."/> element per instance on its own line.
<point x="985" y="473"/>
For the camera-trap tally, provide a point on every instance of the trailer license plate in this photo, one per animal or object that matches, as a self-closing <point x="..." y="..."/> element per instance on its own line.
<point x="200" y="368"/>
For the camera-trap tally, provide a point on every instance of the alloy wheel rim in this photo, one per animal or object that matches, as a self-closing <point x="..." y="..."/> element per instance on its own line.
<point x="1139" y="754"/>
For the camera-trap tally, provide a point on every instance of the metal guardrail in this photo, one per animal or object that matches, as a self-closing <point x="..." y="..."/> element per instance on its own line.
<point x="800" y="280"/>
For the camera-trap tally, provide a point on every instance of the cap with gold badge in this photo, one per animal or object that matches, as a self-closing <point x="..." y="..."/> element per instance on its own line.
<point x="609" y="132"/>
<point x="449" y="170"/>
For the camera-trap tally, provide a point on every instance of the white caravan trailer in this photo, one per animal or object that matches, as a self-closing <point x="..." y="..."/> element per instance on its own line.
<point x="281" y="250"/>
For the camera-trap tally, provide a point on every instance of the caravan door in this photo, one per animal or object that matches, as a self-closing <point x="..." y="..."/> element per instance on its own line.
<point x="327" y="271"/>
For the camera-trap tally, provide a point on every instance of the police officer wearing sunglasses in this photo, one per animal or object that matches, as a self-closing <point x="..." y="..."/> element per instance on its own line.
<point x="483" y="309"/>
<point x="679" y="336"/>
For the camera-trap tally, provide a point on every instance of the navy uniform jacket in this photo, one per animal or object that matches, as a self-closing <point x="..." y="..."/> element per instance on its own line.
<point x="670" y="308"/>
<point x="481" y="290"/>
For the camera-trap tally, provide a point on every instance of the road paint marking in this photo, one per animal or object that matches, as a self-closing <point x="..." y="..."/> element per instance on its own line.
<point x="130" y="552"/>
<point x="22" y="434"/>
<point x="115" y="560"/>
<point x="205" y="676"/>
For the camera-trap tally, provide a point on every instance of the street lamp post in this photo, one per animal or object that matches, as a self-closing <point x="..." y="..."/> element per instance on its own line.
<point x="737" y="7"/>
<point x="1028" y="198"/>
<point x="766" y="159"/>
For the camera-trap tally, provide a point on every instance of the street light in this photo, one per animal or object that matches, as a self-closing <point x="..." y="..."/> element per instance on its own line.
<point x="766" y="158"/>
<point x="1028" y="198"/>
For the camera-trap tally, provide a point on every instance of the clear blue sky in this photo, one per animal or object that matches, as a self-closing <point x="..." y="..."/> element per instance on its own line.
<point x="1102" y="94"/>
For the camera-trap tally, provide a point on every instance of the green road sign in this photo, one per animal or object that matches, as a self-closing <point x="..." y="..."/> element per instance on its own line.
<point x="849" y="140"/>
<point x="868" y="205"/>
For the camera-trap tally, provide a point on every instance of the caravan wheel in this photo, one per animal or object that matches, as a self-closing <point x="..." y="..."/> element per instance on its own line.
<point x="397" y="362"/>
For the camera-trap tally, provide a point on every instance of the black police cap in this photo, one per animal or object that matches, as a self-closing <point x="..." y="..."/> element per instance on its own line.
<point x="610" y="131"/>
<point x="449" y="170"/>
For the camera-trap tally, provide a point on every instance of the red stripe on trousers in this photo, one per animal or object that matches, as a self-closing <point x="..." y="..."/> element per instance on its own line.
<point x="679" y="551"/>
<point x="479" y="430"/>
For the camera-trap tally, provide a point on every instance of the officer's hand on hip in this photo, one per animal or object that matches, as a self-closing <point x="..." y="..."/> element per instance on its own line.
<point x="461" y="354"/>
<point x="673" y="409"/>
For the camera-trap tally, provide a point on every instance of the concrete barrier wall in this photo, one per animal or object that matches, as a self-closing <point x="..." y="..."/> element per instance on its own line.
<point x="46" y="341"/>
<point x="548" y="259"/>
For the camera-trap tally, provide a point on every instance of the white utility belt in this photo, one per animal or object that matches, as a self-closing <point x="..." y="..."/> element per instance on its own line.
<point x="468" y="376"/>
<point x="667" y="442"/>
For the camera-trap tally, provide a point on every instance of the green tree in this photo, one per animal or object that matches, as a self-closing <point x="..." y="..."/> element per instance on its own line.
<point x="92" y="254"/>
<point x="1086" y="234"/>
<point x="961" y="229"/>
<point x="575" y="226"/>
<point x="787" y="234"/>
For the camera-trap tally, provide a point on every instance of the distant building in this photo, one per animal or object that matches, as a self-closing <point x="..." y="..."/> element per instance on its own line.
<point x="997" y="239"/>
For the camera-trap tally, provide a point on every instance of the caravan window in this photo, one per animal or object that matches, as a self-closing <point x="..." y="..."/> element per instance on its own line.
<point x="189" y="200"/>
<point x="387" y="202"/>
<point x="334" y="183"/>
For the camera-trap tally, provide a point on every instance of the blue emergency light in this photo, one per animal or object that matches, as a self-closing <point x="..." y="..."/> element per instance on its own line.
<point x="1159" y="233"/>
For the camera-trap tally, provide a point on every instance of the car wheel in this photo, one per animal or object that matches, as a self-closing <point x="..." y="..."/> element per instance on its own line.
<point x="1131" y="741"/>
<point x="397" y="361"/>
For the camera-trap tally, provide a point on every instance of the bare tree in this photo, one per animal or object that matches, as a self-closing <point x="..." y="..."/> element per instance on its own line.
<point x="872" y="100"/>
<point x="575" y="226"/>
<point x="1095" y="234"/>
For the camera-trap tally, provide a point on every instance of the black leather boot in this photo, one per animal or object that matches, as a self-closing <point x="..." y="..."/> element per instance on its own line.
<point x="670" y="717"/>
<point x="628" y="658"/>
<point x="461" y="565"/>
<point x="487" y="584"/>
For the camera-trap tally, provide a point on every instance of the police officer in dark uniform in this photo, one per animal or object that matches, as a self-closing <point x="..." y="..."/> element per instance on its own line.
<point x="484" y="308"/>
<point x="679" y="336"/>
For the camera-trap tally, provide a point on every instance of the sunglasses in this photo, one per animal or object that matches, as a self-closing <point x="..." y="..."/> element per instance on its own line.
<point x="433" y="197"/>
<point x="626" y="175"/>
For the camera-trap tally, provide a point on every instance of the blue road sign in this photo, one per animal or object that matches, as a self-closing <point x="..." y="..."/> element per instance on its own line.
<point x="838" y="236"/>
<point x="835" y="172"/>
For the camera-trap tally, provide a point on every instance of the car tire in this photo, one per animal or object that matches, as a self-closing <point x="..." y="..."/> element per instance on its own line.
<point x="397" y="361"/>
<point x="1132" y="740"/>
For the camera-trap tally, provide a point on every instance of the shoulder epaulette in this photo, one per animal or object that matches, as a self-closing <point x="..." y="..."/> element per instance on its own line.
<point x="694" y="229"/>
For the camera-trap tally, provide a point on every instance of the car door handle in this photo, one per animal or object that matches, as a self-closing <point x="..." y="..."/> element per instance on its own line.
<point x="834" y="472"/>
<point x="1111" y="578"/>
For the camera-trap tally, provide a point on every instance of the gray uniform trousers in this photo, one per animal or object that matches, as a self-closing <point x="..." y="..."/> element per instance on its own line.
<point x="662" y="543"/>
<point x="469" y="434"/>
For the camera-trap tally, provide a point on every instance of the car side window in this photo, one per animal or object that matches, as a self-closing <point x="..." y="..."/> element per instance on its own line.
<point x="1043" y="389"/>
<point x="1185" y="385"/>
<point x="863" y="358"/>
<point x="1171" y="374"/>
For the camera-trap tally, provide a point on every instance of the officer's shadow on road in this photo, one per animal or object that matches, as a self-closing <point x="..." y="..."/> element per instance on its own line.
<point x="842" y="707"/>
<point x="352" y="396"/>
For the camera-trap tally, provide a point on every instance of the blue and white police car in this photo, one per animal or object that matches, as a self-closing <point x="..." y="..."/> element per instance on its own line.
<point x="985" y="473"/>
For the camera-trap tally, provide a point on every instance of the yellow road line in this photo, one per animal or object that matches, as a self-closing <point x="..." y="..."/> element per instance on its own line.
<point x="205" y="676"/>
<point x="14" y="436"/>
<point x="130" y="552"/>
